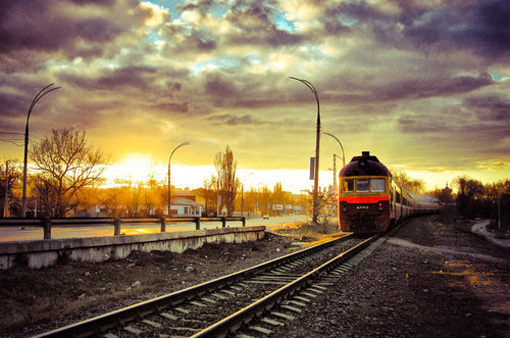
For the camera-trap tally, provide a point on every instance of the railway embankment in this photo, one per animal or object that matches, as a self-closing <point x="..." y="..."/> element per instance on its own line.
<point x="44" y="253"/>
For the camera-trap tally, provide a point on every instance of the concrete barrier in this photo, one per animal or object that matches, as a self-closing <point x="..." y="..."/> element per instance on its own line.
<point x="44" y="253"/>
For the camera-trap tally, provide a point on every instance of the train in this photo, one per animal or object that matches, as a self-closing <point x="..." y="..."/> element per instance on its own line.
<point x="369" y="200"/>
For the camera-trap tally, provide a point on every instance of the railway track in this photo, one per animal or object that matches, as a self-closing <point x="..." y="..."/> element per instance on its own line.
<point x="251" y="300"/>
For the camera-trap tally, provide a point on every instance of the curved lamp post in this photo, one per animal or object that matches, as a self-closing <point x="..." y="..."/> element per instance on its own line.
<point x="334" y="170"/>
<point x="36" y="99"/>
<point x="169" y="180"/>
<point x="317" y="149"/>
<point x="341" y="146"/>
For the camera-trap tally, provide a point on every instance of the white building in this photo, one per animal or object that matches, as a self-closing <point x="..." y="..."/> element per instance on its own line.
<point x="185" y="205"/>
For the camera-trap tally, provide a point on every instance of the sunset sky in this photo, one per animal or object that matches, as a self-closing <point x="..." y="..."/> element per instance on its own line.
<point x="423" y="85"/>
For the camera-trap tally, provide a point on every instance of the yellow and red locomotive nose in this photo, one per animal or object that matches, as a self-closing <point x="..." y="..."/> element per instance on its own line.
<point x="364" y="195"/>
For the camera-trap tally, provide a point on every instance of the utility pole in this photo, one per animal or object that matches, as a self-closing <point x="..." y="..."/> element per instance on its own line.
<point x="36" y="99"/>
<point x="317" y="150"/>
<point x="6" y="196"/>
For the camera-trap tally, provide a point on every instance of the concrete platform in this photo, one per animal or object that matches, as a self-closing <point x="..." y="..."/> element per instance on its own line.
<point x="44" y="253"/>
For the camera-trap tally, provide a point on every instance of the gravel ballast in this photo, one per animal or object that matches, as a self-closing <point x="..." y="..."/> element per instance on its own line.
<point x="427" y="280"/>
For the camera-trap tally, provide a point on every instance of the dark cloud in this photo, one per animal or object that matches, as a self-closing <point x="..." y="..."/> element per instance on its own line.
<point x="234" y="120"/>
<point x="493" y="107"/>
<point x="254" y="26"/>
<point x="60" y="29"/>
<point x="105" y="3"/>
<point x="171" y="108"/>
<point x="419" y="88"/>
<point x="481" y="26"/>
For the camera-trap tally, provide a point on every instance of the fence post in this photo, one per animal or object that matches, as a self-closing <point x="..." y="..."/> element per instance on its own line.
<point x="116" y="230"/>
<point x="197" y="223"/>
<point x="244" y="221"/>
<point x="223" y="222"/>
<point x="163" y="224"/>
<point x="47" y="228"/>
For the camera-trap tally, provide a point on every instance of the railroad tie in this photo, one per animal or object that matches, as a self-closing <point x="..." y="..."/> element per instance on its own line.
<point x="282" y="315"/>
<point x="314" y="290"/>
<point x="261" y="329"/>
<point x="198" y="303"/>
<point x="209" y="300"/>
<point x="308" y="294"/>
<point x="219" y="296"/>
<point x="110" y="335"/>
<point x="184" y="329"/>
<point x="303" y="299"/>
<point x="133" y="330"/>
<point x="271" y="322"/>
<point x="152" y="323"/>
<point x="291" y="308"/>
<point x="168" y="316"/>
<point x="181" y="310"/>
<point x="295" y="302"/>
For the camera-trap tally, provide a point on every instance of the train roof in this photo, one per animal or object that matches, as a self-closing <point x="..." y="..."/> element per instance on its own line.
<point x="365" y="165"/>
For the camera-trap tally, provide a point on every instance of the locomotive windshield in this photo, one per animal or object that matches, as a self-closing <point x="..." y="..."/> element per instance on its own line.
<point x="377" y="185"/>
<point x="364" y="185"/>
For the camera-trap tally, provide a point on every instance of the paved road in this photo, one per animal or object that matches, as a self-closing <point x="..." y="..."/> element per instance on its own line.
<point x="36" y="233"/>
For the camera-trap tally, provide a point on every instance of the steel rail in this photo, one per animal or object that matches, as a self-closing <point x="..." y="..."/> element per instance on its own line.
<point x="256" y="309"/>
<point x="112" y="319"/>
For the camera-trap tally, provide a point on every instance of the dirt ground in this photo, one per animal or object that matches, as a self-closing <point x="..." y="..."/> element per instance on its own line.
<point x="429" y="279"/>
<point x="35" y="301"/>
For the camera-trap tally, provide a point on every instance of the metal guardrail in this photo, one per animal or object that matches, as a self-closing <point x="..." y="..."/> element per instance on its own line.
<point x="48" y="223"/>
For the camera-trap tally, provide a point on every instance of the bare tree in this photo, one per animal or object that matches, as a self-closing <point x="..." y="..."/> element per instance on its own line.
<point x="402" y="179"/>
<point x="227" y="182"/>
<point x="66" y="164"/>
<point x="208" y="195"/>
<point x="10" y="178"/>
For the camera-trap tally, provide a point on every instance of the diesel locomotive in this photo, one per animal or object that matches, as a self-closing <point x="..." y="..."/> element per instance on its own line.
<point x="369" y="200"/>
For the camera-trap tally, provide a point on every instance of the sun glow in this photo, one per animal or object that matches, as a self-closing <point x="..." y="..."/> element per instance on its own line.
<point x="134" y="168"/>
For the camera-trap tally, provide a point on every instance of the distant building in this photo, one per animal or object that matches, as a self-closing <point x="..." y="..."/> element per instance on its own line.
<point x="447" y="191"/>
<point x="184" y="204"/>
<point x="446" y="195"/>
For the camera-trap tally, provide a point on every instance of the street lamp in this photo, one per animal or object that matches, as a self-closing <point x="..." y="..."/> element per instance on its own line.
<point x="169" y="180"/>
<point x="36" y="99"/>
<point x="334" y="171"/>
<point x="317" y="150"/>
<point x="341" y="146"/>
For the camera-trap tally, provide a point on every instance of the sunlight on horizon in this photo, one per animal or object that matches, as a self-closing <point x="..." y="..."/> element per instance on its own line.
<point x="139" y="168"/>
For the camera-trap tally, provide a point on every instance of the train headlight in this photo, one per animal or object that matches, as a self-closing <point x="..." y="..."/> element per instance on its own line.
<point x="380" y="207"/>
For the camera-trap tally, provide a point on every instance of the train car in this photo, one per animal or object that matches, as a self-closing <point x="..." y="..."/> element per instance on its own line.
<point x="369" y="200"/>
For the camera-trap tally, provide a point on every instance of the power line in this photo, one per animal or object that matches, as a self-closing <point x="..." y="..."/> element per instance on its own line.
<point x="10" y="133"/>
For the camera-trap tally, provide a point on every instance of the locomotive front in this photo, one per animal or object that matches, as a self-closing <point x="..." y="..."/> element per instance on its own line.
<point x="364" y="195"/>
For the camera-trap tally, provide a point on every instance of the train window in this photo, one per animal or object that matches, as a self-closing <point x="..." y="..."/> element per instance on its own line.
<point x="362" y="185"/>
<point x="377" y="185"/>
<point x="348" y="186"/>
